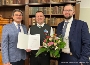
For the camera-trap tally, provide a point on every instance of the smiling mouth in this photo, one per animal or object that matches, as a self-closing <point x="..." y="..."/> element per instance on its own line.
<point x="39" y="20"/>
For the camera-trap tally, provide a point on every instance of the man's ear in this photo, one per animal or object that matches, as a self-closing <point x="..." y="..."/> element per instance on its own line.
<point x="73" y="12"/>
<point x="44" y="17"/>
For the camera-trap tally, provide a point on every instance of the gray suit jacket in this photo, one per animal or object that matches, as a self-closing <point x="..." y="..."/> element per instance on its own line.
<point x="10" y="52"/>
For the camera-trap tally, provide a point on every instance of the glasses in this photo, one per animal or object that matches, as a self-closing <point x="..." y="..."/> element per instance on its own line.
<point x="17" y="15"/>
<point x="68" y="10"/>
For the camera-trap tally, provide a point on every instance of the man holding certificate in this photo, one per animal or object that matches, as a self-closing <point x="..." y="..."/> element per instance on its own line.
<point x="28" y="41"/>
<point x="39" y="28"/>
<point x="12" y="55"/>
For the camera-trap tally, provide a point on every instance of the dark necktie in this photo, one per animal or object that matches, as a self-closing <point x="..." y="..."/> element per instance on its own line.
<point x="19" y="30"/>
<point x="64" y="29"/>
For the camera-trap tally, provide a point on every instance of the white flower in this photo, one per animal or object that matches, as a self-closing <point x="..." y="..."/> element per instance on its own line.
<point x="55" y="44"/>
<point x="56" y="48"/>
<point x="50" y="39"/>
<point x="59" y="41"/>
<point x="44" y="45"/>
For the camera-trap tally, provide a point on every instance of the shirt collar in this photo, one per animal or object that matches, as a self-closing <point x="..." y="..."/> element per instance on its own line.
<point x="70" y="20"/>
<point x="16" y="24"/>
<point x="40" y="25"/>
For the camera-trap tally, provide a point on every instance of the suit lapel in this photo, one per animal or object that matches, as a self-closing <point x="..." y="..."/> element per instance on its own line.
<point x="23" y="28"/>
<point x="14" y="27"/>
<point x="62" y="23"/>
<point x="72" y="29"/>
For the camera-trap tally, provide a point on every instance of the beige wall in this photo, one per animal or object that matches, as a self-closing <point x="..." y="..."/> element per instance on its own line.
<point x="85" y="15"/>
<point x="85" y="11"/>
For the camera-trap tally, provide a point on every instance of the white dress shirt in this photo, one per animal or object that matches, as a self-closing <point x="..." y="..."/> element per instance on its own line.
<point x="20" y="26"/>
<point x="51" y="31"/>
<point x="66" y="49"/>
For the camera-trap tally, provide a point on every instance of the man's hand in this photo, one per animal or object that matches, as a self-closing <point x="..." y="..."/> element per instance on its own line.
<point x="7" y="63"/>
<point x="40" y="47"/>
<point x="28" y="50"/>
<point x="81" y="64"/>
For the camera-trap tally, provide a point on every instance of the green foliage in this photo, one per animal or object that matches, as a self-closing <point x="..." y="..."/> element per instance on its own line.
<point x="53" y="45"/>
<point x="41" y="50"/>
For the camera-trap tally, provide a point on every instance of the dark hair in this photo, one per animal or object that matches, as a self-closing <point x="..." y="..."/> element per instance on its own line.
<point x="16" y="10"/>
<point x="38" y="12"/>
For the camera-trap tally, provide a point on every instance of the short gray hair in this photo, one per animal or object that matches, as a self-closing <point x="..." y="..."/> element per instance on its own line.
<point x="16" y="10"/>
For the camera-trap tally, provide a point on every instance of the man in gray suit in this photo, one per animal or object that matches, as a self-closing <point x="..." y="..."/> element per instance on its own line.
<point x="11" y="55"/>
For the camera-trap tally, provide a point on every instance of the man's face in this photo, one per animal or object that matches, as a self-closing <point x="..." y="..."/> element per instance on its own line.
<point x="68" y="12"/>
<point x="17" y="17"/>
<point x="40" y="17"/>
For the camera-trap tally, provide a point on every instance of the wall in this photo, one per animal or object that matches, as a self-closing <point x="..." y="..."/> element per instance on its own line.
<point x="85" y="11"/>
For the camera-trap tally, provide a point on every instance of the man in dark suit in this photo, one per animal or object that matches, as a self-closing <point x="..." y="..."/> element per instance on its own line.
<point x="76" y="35"/>
<point x="12" y="55"/>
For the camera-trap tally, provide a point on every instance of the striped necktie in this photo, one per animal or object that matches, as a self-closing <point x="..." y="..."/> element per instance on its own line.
<point x="64" y="29"/>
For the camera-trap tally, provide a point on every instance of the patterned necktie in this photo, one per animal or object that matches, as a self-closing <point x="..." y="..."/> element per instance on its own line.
<point x="64" y="29"/>
<point x="19" y="30"/>
<point x="40" y="26"/>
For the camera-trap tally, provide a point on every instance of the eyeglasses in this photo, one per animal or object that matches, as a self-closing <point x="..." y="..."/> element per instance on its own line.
<point x="67" y="10"/>
<point x="17" y="15"/>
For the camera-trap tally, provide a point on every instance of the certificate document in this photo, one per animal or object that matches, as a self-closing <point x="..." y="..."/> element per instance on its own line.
<point x="28" y="41"/>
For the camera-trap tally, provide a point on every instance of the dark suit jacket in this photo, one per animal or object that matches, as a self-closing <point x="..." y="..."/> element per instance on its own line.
<point x="79" y="39"/>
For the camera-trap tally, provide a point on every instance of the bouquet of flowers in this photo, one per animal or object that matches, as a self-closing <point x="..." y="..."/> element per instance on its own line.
<point x="53" y="45"/>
